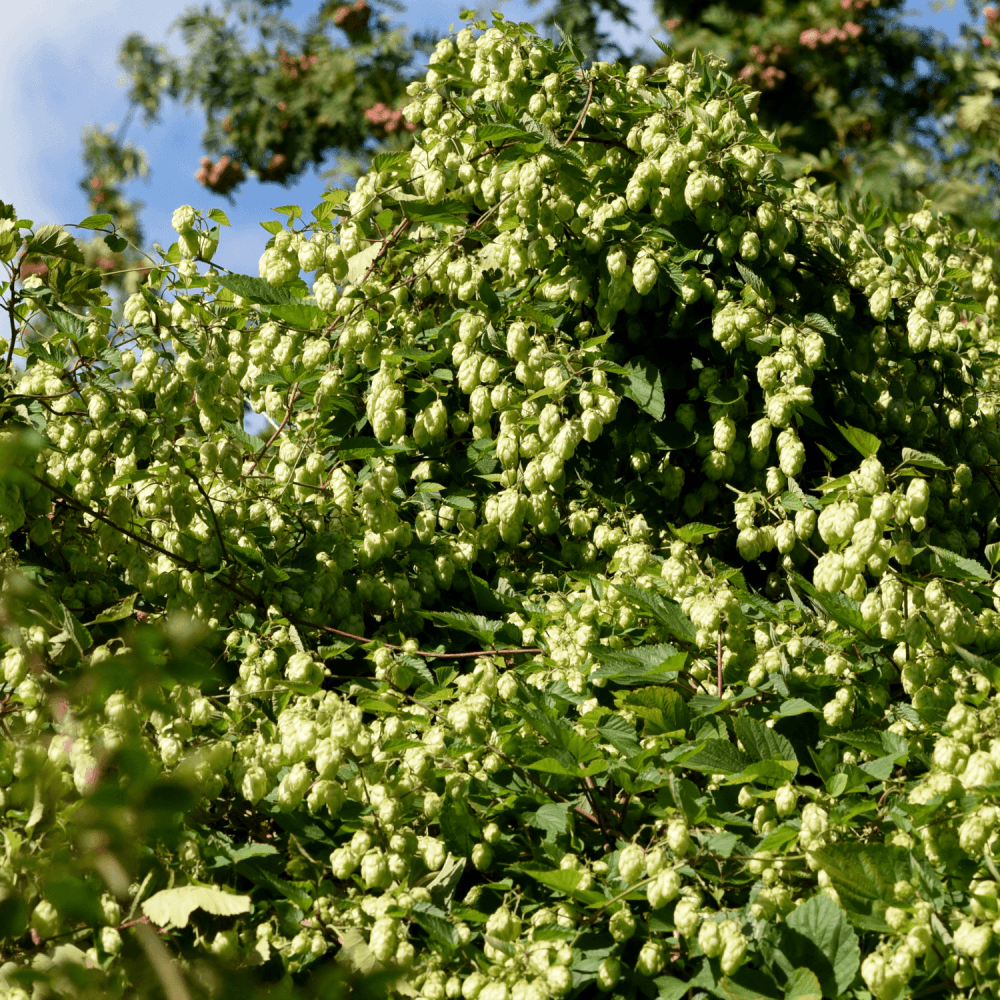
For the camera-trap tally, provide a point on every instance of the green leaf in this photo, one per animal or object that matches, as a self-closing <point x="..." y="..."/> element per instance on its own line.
<point x="387" y="161"/>
<point x="638" y="665"/>
<point x="54" y="241"/>
<point x="821" y="323"/>
<point x="173" y="907"/>
<point x="220" y="217"/>
<point x="753" y="280"/>
<point x="448" y="212"/>
<point x="803" y="985"/>
<point x="864" y="874"/>
<point x="663" y="610"/>
<point x="663" y="709"/>
<point x="502" y="133"/>
<point x="747" y="983"/>
<point x="669" y="988"/>
<point x="645" y="386"/>
<point x="719" y="757"/>
<point x="922" y="458"/>
<point x="549" y="765"/>
<point x="435" y="922"/>
<point x="359" y="264"/>
<point x="95" y="221"/>
<point x="823" y="939"/>
<point x="292" y="211"/>
<point x="13" y="914"/>
<point x="762" y="743"/>
<point x="864" y="442"/>
<point x="459" y="828"/>
<point x="255" y="289"/>
<point x="622" y="735"/>
<point x="562" y="880"/>
<point x="693" y="532"/>
<point x="122" y="609"/>
<point x="299" y="315"/>
<point x="956" y="566"/>
<point x="250" y="851"/>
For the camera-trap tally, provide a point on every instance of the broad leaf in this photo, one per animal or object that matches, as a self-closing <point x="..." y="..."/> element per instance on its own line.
<point x="820" y="937"/>
<point x="173" y="907"/>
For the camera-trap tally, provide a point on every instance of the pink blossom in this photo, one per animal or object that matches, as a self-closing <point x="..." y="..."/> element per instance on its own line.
<point x="853" y="29"/>
<point x="991" y="14"/>
<point x="746" y="72"/>
<point x="671" y="23"/>
<point x="810" y="38"/>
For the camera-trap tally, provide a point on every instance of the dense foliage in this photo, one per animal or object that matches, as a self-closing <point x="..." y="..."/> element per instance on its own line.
<point x="855" y="94"/>
<point x="605" y="609"/>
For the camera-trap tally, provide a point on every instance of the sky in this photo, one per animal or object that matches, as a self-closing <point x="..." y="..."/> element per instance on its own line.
<point x="60" y="73"/>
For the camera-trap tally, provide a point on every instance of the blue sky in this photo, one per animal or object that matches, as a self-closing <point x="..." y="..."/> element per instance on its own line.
<point x="60" y="73"/>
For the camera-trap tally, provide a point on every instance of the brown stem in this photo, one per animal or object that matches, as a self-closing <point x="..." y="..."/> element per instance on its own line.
<point x="386" y="243"/>
<point x="292" y="397"/>
<point x="97" y="515"/>
<point x="215" y="520"/>
<point x="718" y="658"/>
<point x="15" y="274"/>
<point x="416" y="652"/>
<point x="583" y="113"/>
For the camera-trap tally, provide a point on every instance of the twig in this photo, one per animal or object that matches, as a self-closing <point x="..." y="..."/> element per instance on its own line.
<point x="97" y="515"/>
<point x="386" y="243"/>
<point x="583" y="113"/>
<point x="718" y="658"/>
<point x="15" y="274"/>
<point x="215" y="520"/>
<point x="292" y="397"/>
<point x="416" y="652"/>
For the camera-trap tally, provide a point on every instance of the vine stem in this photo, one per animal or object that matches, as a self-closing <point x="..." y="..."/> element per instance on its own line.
<point x="292" y="397"/>
<point x="583" y="113"/>
<point x="11" y="306"/>
<point x="416" y="652"/>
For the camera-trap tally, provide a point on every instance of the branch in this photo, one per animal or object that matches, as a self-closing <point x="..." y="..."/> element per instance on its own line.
<point x="583" y="113"/>
<point x="417" y="652"/>
<point x="97" y="515"/>
<point x="292" y="397"/>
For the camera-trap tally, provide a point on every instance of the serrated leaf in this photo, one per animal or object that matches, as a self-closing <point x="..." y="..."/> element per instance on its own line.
<point x="622" y="735"/>
<point x="721" y="757"/>
<point x="803" y="985"/>
<point x="292" y="211"/>
<point x="645" y="386"/>
<point x="220" y="217"/>
<point x="637" y="665"/>
<point x="663" y="709"/>
<point x="386" y="161"/>
<point x="459" y="828"/>
<point x="954" y="565"/>
<point x="822" y="938"/>
<point x="663" y="610"/>
<point x="862" y="441"/>
<point x="864" y="875"/>
<point x="95" y="221"/>
<point x="173" y="907"/>
<point x="753" y="280"/>
<point x="921" y="458"/>
<point x="117" y="612"/>
<point x="821" y="323"/>
<point x="358" y="265"/>
<point x="762" y="743"/>
<point x="550" y="765"/>
<point x="255" y="289"/>
<point x="501" y="133"/>
<point x="54" y="241"/>
<point x="435" y="922"/>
